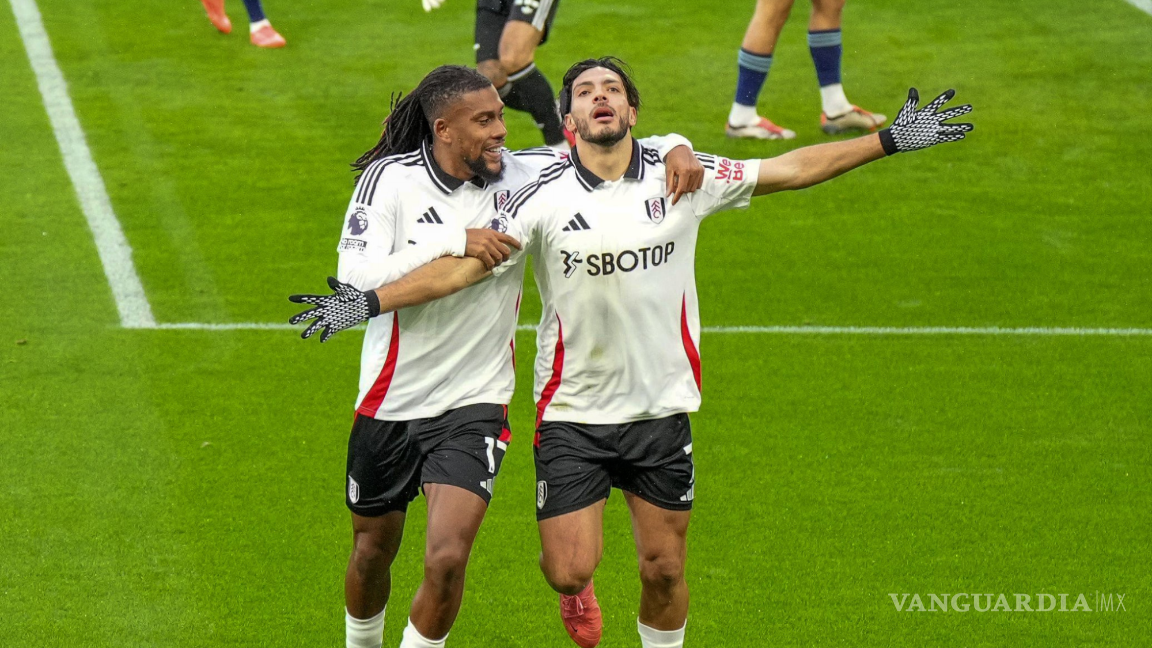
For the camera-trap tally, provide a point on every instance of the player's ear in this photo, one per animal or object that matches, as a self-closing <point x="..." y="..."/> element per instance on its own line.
<point x="569" y="123"/>
<point x="441" y="131"/>
<point x="632" y="116"/>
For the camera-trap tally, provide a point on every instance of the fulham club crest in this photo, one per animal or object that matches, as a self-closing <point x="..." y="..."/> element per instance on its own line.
<point x="501" y="198"/>
<point x="353" y="490"/>
<point x="656" y="208"/>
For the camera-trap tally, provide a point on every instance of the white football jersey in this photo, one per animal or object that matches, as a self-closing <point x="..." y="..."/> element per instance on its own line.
<point x="619" y="337"/>
<point x="425" y="360"/>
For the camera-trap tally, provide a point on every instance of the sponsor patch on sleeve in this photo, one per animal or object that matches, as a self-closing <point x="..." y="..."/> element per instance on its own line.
<point x="351" y="244"/>
<point x="729" y="171"/>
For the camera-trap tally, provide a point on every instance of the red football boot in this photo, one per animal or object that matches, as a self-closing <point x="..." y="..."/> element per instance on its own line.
<point x="581" y="617"/>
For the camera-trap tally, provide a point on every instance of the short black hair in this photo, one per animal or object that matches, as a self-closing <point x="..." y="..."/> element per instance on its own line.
<point x="410" y="117"/>
<point x="608" y="62"/>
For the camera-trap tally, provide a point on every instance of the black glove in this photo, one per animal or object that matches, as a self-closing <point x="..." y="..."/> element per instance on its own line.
<point x="343" y="309"/>
<point x="916" y="129"/>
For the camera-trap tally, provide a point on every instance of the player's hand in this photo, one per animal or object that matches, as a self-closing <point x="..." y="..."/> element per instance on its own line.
<point x="429" y="5"/>
<point x="489" y="246"/>
<point x="345" y="308"/>
<point x="916" y="129"/>
<point x="684" y="172"/>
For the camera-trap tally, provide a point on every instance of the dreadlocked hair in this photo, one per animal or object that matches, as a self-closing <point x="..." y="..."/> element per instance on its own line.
<point x="410" y="117"/>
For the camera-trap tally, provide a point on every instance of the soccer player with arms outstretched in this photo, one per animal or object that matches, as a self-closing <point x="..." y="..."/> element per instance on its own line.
<point x="435" y="379"/>
<point x="618" y="363"/>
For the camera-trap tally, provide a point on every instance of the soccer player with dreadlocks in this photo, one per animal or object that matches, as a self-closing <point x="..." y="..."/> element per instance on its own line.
<point x="618" y="364"/>
<point x="435" y="382"/>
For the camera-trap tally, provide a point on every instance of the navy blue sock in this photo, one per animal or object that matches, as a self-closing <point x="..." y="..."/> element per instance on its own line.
<point x="753" y="71"/>
<point x="255" y="11"/>
<point x="826" y="51"/>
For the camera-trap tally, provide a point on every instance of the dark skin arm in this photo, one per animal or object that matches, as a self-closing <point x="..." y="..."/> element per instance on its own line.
<point x="432" y="281"/>
<point x="490" y="247"/>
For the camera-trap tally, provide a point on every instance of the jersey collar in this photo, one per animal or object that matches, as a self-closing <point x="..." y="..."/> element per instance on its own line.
<point x="590" y="180"/>
<point x="443" y="181"/>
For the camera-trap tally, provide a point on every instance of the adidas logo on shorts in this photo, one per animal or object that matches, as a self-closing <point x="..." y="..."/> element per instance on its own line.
<point x="541" y="494"/>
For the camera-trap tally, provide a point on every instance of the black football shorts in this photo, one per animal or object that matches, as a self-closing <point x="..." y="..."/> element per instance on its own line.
<point x="390" y="461"/>
<point x="578" y="465"/>
<point x="492" y="14"/>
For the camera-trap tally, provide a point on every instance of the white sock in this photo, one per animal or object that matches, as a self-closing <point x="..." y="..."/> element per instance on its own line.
<point x="413" y="639"/>
<point x="833" y="99"/>
<point x="742" y="115"/>
<point x="363" y="633"/>
<point x="653" y="638"/>
<point x="252" y="27"/>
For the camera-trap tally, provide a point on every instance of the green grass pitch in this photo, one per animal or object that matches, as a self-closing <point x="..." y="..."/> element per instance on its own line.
<point x="184" y="488"/>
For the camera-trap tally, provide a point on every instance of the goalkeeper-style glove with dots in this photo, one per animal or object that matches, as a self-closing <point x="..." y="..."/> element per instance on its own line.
<point x="344" y="308"/>
<point x="916" y="129"/>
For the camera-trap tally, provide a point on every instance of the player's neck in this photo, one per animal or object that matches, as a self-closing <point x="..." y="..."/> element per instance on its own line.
<point x="451" y="164"/>
<point x="607" y="162"/>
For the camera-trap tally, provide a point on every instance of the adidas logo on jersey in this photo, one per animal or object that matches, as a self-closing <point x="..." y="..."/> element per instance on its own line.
<point x="576" y="224"/>
<point x="430" y="217"/>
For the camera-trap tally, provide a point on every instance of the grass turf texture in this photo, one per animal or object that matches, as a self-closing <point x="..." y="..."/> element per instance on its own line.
<point x="178" y="488"/>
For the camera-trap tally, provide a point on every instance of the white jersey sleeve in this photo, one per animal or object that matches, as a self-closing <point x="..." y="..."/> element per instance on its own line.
<point x="370" y="255"/>
<point x="663" y="144"/>
<point x="538" y="158"/>
<point x="728" y="184"/>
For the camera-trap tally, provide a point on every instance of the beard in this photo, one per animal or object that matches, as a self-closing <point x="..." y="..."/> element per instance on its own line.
<point x="606" y="137"/>
<point x="480" y="168"/>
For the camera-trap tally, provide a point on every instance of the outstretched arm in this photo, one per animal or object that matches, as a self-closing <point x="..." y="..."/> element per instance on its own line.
<point x="812" y="165"/>
<point x="442" y="277"/>
<point x="912" y="130"/>
<point x="346" y="306"/>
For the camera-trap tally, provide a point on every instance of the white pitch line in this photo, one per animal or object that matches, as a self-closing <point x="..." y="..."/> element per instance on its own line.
<point x="926" y="330"/>
<point x="115" y="253"/>
<point x="775" y="330"/>
<point x="1142" y="5"/>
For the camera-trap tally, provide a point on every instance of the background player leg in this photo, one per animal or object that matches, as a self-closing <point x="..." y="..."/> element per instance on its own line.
<point x="824" y="41"/>
<point x="755" y="60"/>
<point x="571" y="548"/>
<point x="215" y="9"/>
<point x="454" y="517"/>
<point x="261" y="32"/>
<point x="662" y="550"/>
<point x="368" y="581"/>
<point x="526" y="88"/>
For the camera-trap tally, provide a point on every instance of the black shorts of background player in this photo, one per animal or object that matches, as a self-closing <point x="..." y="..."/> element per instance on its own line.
<point x="507" y="35"/>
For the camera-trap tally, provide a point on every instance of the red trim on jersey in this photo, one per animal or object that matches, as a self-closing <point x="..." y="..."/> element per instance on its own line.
<point x="554" y="381"/>
<point x="375" y="396"/>
<point x="517" y="319"/>
<point x="506" y="434"/>
<point x="689" y="345"/>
